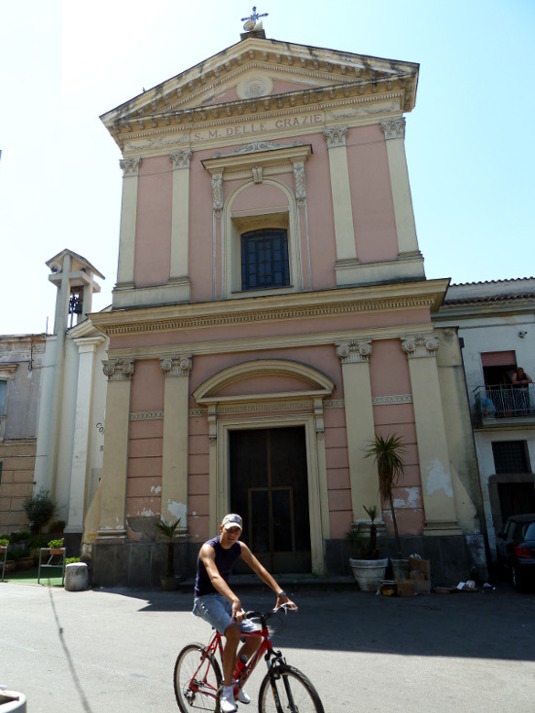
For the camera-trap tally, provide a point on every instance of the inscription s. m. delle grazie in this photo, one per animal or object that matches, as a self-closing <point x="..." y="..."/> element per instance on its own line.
<point x="257" y="127"/>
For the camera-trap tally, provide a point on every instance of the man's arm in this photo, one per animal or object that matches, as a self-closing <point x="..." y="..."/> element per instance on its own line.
<point x="207" y="557"/>
<point x="259" y="569"/>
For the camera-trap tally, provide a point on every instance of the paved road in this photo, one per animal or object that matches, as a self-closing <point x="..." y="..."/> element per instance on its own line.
<point x="114" y="650"/>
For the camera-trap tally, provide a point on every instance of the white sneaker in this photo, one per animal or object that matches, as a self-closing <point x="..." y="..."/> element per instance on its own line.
<point x="243" y="697"/>
<point x="226" y="703"/>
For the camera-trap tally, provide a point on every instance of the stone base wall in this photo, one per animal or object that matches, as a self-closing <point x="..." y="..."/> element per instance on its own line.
<point x="135" y="564"/>
<point x="140" y="564"/>
<point x="452" y="558"/>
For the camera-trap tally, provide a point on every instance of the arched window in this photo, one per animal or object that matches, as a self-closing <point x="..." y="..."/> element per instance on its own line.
<point x="264" y="259"/>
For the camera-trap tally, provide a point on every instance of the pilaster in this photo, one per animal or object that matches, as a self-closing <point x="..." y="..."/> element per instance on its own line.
<point x="175" y="439"/>
<point x="344" y="230"/>
<point x="437" y="488"/>
<point x="86" y="365"/>
<point x="355" y="357"/>
<point x="127" y="238"/>
<point x="112" y="515"/>
<point x="394" y="131"/>
<point x="180" y="223"/>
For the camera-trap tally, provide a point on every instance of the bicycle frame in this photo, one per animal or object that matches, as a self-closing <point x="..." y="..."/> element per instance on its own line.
<point x="215" y="647"/>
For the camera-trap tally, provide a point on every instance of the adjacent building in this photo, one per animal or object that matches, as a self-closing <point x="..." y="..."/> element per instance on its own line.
<point x="21" y="372"/>
<point x="496" y="325"/>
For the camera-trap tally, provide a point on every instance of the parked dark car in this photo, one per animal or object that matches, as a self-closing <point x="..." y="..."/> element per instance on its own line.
<point x="516" y="549"/>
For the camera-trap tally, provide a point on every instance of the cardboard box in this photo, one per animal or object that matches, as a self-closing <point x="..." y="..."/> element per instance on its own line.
<point x="418" y="565"/>
<point x="405" y="588"/>
<point x="422" y="586"/>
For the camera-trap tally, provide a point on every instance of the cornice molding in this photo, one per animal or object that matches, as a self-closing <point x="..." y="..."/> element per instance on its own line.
<point x="292" y="306"/>
<point x="174" y="128"/>
<point x="283" y="156"/>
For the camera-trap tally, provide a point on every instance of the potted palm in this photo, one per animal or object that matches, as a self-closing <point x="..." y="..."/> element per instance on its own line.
<point x="387" y="453"/>
<point x="169" y="580"/>
<point x="368" y="567"/>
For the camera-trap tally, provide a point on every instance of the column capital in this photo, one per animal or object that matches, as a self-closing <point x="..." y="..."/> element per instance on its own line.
<point x="176" y="366"/>
<point x="181" y="159"/>
<point x="118" y="369"/>
<point x="394" y="128"/>
<point x="130" y="166"/>
<point x="335" y="136"/>
<point x="354" y="351"/>
<point x="420" y="346"/>
<point x="89" y="344"/>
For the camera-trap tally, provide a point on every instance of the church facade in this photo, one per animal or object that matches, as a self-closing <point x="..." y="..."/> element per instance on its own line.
<point x="271" y="315"/>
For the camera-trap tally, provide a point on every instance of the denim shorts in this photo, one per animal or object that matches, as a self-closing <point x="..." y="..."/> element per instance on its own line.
<point x="217" y="611"/>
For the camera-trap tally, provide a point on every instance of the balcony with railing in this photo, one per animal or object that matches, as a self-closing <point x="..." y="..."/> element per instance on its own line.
<point x="502" y="403"/>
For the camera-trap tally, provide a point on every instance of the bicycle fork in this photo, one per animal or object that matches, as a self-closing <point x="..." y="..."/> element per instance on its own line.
<point x="276" y="664"/>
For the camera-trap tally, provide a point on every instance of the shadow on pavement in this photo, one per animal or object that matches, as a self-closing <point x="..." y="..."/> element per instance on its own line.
<point x="497" y="623"/>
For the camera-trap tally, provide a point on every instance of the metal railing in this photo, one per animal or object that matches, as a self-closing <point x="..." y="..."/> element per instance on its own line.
<point x="505" y="401"/>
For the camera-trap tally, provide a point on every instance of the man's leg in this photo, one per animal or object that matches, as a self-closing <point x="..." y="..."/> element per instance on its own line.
<point x="232" y="635"/>
<point x="251" y="644"/>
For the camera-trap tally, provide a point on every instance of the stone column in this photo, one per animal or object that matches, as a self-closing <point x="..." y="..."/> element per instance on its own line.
<point x="175" y="439"/>
<point x="437" y="488"/>
<point x="127" y="239"/>
<point x="112" y="515"/>
<point x="346" y="252"/>
<point x="394" y="131"/>
<point x="82" y="428"/>
<point x="179" y="273"/>
<point x="355" y="356"/>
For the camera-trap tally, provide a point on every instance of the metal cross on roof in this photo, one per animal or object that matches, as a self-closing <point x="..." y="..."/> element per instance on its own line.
<point x="254" y="16"/>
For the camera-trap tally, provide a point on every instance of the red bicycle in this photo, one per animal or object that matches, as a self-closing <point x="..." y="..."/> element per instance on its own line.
<point x="198" y="680"/>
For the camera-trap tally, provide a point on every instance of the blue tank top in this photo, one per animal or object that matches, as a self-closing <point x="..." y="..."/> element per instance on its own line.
<point x="224" y="560"/>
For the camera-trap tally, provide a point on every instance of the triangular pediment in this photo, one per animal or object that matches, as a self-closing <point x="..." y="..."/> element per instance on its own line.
<point x="263" y="74"/>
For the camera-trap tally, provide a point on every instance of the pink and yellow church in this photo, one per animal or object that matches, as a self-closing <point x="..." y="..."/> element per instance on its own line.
<point x="271" y="315"/>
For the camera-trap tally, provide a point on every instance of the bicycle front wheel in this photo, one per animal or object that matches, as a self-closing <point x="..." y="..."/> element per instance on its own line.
<point x="292" y="692"/>
<point x="197" y="680"/>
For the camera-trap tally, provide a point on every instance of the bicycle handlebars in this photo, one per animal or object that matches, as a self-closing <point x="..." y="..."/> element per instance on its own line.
<point x="264" y="616"/>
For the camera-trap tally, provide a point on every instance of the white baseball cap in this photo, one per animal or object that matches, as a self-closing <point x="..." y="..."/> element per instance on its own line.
<point x="232" y="520"/>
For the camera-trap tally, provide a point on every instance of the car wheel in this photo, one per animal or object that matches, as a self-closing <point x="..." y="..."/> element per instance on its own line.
<point x="518" y="579"/>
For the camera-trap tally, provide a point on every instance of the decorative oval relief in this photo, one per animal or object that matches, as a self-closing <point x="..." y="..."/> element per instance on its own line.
<point x="254" y="87"/>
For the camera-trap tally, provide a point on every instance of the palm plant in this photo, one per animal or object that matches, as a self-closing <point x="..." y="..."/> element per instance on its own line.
<point x="386" y="452"/>
<point x="168" y="530"/>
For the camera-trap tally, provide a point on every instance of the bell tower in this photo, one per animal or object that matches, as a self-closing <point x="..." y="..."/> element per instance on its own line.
<point x="74" y="277"/>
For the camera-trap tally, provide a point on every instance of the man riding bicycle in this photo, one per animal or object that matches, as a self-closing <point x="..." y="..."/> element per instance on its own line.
<point x="216" y="603"/>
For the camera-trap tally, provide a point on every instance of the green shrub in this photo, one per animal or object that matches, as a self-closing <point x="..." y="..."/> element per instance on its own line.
<point x="38" y="541"/>
<point x="22" y="536"/>
<point x="4" y="541"/>
<point x="72" y="560"/>
<point x="57" y="526"/>
<point x="39" y="509"/>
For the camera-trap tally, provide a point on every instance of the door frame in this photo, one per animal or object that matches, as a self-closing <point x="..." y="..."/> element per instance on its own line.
<point x="231" y="405"/>
<point x="316" y="474"/>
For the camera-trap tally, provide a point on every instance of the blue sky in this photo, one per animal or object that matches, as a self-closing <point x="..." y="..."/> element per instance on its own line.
<point x="470" y="143"/>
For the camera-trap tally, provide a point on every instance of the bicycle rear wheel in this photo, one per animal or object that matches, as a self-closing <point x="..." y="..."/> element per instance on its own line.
<point x="197" y="680"/>
<point x="294" y="691"/>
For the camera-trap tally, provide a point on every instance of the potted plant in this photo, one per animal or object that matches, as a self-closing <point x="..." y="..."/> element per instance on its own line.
<point x="387" y="453"/>
<point x="56" y="547"/>
<point x="169" y="580"/>
<point x="368" y="567"/>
